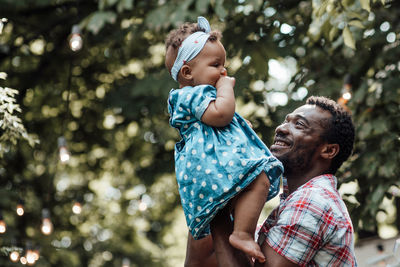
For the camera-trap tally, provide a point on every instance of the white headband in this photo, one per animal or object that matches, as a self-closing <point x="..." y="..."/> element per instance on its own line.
<point x="191" y="46"/>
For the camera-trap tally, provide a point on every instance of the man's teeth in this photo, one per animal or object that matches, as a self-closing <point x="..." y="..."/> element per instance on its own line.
<point x="280" y="143"/>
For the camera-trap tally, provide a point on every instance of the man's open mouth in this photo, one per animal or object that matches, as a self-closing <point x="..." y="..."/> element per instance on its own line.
<point x="281" y="143"/>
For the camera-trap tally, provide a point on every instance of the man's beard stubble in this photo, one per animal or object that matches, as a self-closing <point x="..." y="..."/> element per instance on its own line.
<point x="297" y="161"/>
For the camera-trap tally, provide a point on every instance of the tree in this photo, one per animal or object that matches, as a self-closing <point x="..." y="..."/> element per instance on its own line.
<point x="11" y="125"/>
<point x="108" y="100"/>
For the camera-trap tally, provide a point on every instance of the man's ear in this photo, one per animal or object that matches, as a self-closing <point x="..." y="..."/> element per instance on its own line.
<point x="186" y="72"/>
<point x="329" y="151"/>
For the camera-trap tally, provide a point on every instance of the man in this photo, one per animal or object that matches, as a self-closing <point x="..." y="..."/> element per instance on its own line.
<point x="311" y="226"/>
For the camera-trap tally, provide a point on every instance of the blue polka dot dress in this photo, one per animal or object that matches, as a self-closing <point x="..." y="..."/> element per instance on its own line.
<point x="212" y="164"/>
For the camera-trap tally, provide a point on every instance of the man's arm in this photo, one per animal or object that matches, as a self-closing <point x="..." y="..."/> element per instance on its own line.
<point x="215" y="250"/>
<point x="226" y="255"/>
<point x="200" y="253"/>
<point x="273" y="258"/>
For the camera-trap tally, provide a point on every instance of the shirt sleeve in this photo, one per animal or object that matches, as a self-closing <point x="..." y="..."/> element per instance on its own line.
<point x="299" y="231"/>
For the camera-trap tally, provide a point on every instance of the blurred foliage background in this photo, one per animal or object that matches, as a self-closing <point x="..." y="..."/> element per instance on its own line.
<point x="106" y="103"/>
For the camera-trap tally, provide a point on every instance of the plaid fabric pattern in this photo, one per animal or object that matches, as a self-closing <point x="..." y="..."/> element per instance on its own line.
<point x="311" y="226"/>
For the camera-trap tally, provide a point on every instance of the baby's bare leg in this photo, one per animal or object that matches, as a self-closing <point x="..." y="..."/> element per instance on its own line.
<point x="247" y="210"/>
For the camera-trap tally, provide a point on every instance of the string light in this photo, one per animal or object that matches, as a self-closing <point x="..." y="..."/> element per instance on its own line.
<point x="14" y="256"/>
<point x="3" y="226"/>
<point x="75" y="39"/>
<point x="23" y="260"/>
<point x="64" y="154"/>
<point x="142" y="206"/>
<point x="36" y="254"/>
<point x="77" y="207"/>
<point x="3" y="22"/>
<point x="20" y="208"/>
<point x="30" y="255"/>
<point x="47" y="225"/>
<point x="63" y="150"/>
<point x="346" y="91"/>
<point x="126" y="262"/>
<point x="15" y="251"/>
<point x="346" y="96"/>
<point x="145" y="202"/>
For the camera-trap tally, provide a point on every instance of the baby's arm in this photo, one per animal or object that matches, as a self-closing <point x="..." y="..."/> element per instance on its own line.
<point x="219" y="112"/>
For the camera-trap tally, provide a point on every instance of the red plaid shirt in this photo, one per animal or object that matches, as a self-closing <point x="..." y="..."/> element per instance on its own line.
<point x="311" y="226"/>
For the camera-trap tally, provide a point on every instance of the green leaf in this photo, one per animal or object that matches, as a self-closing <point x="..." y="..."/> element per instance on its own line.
<point x="256" y="4"/>
<point x="102" y="4"/>
<point x="220" y="10"/>
<point x="326" y="28"/>
<point x="111" y="2"/>
<point x="158" y="17"/>
<point x="321" y="9"/>
<point x="332" y="33"/>
<point x="348" y="38"/>
<point x="365" y="5"/>
<point x="98" y="19"/>
<point x="379" y="126"/>
<point x="357" y="23"/>
<point x="201" y="6"/>
<point x="351" y="15"/>
<point x="378" y="194"/>
<point x="124" y="5"/>
<point x="387" y="170"/>
<point x="347" y="3"/>
<point x="365" y="131"/>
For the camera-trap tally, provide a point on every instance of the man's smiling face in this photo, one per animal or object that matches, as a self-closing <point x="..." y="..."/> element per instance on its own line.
<point x="298" y="138"/>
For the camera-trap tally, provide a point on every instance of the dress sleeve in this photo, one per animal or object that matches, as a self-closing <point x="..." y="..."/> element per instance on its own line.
<point x="195" y="100"/>
<point x="299" y="231"/>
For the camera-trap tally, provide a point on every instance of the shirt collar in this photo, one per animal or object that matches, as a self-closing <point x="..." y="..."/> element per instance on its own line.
<point x="328" y="177"/>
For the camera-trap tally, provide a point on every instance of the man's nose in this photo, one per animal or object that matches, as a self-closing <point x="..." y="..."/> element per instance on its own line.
<point x="282" y="129"/>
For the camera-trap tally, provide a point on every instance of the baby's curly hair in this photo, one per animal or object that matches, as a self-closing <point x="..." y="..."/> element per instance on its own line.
<point x="340" y="129"/>
<point x="177" y="36"/>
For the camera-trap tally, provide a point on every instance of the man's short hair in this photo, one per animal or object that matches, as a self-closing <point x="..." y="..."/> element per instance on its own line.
<point x="340" y="129"/>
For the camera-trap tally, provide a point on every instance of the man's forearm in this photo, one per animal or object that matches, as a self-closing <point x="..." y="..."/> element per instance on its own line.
<point x="221" y="228"/>
<point x="200" y="253"/>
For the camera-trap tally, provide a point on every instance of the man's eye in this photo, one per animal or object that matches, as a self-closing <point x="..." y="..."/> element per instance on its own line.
<point x="300" y="123"/>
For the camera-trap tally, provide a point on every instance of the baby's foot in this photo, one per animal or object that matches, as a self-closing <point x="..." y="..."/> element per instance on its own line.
<point x="245" y="242"/>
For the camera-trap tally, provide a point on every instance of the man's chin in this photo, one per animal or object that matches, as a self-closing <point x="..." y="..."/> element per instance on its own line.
<point x="278" y="153"/>
<point x="283" y="157"/>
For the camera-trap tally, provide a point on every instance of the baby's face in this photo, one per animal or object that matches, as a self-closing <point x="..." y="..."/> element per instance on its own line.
<point x="208" y="66"/>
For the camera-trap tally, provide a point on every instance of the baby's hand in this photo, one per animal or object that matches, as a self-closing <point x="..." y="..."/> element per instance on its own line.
<point x="225" y="81"/>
